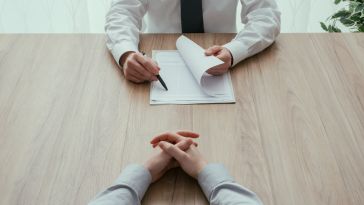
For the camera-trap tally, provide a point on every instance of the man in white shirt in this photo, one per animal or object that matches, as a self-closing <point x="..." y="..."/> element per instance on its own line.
<point x="127" y="18"/>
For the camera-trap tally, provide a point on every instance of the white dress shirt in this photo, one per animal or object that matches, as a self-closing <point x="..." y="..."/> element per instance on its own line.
<point x="128" y="18"/>
<point x="215" y="181"/>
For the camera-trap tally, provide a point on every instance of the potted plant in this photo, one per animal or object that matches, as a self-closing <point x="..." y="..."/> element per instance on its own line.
<point x="351" y="16"/>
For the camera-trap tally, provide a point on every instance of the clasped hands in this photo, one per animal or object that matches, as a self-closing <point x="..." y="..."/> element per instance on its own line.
<point x="139" y="68"/>
<point x="173" y="150"/>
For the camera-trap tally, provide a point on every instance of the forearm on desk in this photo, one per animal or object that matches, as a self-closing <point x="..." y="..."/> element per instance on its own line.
<point x="128" y="189"/>
<point x="220" y="188"/>
<point x="215" y="181"/>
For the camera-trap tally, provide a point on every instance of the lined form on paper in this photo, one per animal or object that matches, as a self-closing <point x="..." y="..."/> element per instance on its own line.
<point x="184" y="72"/>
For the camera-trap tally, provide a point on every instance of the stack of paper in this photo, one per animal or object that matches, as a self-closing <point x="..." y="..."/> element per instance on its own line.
<point x="184" y="72"/>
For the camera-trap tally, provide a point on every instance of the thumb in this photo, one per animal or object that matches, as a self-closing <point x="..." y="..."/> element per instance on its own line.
<point x="173" y="151"/>
<point x="213" y="50"/>
<point x="184" y="144"/>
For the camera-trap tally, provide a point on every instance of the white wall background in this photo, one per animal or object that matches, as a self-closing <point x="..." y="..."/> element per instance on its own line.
<point x="87" y="16"/>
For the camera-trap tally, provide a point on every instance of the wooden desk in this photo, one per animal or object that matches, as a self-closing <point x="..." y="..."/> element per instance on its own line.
<point x="69" y="121"/>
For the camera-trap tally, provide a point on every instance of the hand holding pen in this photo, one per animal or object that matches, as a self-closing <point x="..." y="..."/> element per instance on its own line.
<point x="139" y="68"/>
<point x="159" y="78"/>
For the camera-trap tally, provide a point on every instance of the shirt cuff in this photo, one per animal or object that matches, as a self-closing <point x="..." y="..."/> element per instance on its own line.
<point x="238" y="50"/>
<point x="137" y="177"/>
<point x="211" y="176"/>
<point x="120" y="48"/>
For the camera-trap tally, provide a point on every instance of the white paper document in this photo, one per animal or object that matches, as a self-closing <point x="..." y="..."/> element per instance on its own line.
<point x="184" y="72"/>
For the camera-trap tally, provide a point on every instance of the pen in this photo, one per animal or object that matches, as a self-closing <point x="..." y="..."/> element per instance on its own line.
<point x="159" y="78"/>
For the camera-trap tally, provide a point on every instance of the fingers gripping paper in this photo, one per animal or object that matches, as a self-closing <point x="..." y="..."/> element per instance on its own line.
<point x="184" y="72"/>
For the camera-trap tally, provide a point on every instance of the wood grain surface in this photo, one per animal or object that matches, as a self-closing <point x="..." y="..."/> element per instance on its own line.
<point x="69" y="121"/>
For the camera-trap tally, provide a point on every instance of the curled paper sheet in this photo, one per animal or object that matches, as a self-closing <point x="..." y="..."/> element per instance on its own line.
<point x="198" y="63"/>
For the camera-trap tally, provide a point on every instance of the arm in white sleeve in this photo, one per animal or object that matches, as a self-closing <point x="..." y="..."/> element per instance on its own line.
<point x="262" y="21"/>
<point x="128" y="189"/>
<point x="220" y="188"/>
<point x="123" y="25"/>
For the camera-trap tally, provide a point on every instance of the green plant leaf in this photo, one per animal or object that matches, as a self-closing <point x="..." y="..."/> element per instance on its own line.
<point x="355" y="17"/>
<point x="359" y="8"/>
<point x="352" y="17"/>
<point x="335" y="29"/>
<point x="332" y="29"/>
<point x="353" y="5"/>
<point x="361" y="28"/>
<point x="324" y="27"/>
<point x="342" y="14"/>
<point x="347" y="22"/>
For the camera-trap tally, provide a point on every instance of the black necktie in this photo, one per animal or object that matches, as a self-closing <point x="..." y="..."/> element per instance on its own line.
<point x="191" y="16"/>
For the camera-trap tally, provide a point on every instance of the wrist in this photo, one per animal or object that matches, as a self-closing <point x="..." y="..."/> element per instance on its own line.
<point x="156" y="164"/>
<point x="149" y="167"/>
<point x="124" y="57"/>
<point x="231" y="57"/>
<point x="201" y="166"/>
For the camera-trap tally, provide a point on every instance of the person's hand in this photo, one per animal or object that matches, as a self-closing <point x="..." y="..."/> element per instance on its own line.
<point x="174" y="138"/>
<point x="138" y="68"/>
<point x="191" y="160"/>
<point x="160" y="162"/>
<point x="224" y="55"/>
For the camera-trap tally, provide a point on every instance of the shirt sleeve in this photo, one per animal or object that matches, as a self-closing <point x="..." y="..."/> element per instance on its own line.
<point x="262" y="21"/>
<point x="128" y="189"/>
<point x="220" y="188"/>
<point x="123" y="25"/>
